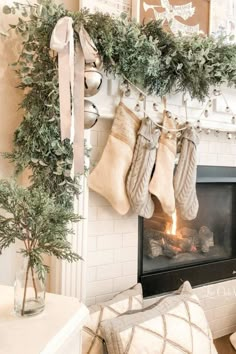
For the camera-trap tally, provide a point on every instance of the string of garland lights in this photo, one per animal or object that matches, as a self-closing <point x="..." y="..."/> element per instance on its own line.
<point x="195" y="122"/>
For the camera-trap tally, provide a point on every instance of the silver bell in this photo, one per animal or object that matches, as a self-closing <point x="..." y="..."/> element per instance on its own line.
<point x="90" y="114"/>
<point x="169" y="135"/>
<point x="98" y="64"/>
<point x="92" y="81"/>
<point x="137" y="108"/>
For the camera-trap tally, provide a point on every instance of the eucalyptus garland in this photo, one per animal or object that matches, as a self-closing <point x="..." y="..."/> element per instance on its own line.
<point x="37" y="143"/>
<point x="156" y="61"/>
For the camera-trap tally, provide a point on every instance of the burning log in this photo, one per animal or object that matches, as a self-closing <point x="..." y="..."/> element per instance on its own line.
<point x="170" y="251"/>
<point x="159" y="243"/>
<point x="206" y="238"/>
<point x="187" y="232"/>
<point x="192" y="234"/>
<point x="154" y="249"/>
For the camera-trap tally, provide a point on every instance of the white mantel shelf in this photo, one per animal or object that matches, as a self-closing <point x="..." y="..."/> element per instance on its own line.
<point x="218" y="118"/>
<point x="55" y="330"/>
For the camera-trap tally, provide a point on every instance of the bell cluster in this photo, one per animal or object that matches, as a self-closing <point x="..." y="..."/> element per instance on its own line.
<point x="230" y="135"/>
<point x="92" y="84"/>
<point x="126" y="90"/>
<point x="208" y="131"/>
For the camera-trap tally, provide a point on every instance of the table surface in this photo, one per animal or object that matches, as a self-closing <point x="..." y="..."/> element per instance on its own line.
<point x="44" y="333"/>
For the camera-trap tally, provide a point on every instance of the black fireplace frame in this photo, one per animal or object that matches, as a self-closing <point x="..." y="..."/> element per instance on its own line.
<point x="163" y="281"/>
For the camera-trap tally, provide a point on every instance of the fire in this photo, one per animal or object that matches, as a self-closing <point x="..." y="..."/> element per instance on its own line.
<point x="174" y="223"/>
<point x="172" y="229"/>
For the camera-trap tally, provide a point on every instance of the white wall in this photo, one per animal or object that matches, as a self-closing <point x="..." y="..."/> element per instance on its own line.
<point x="10" y="118"/>
<point x="112" y="239"/>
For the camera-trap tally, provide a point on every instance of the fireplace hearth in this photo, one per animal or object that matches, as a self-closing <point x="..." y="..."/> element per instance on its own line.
<point x="172" y="250"/>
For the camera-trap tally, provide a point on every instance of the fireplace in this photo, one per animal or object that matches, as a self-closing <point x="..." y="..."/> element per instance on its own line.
<point x="172" y="250"/>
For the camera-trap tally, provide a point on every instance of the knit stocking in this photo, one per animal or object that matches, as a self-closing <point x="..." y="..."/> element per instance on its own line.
<point x="161" y="184"/>
<point x="185" y="176"/>
<point x="141" y="169"/>
<point x="109" y="176"/>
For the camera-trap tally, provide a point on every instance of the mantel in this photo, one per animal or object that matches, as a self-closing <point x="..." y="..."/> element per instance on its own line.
<point x="218" y="118"/>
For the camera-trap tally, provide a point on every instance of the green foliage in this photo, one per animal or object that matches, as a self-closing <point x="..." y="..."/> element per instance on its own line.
<point x="31" y="216"/>
<point x="40" y="215"/>
<point x="157" y="61"/>
<point x="160" y="62"/>
<point x="37" y="143"/>
<point x="145" y="54"/>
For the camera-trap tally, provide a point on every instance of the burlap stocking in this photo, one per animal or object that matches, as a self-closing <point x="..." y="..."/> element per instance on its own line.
<point x="161" y="184"/>
<point x="109" y="176"/>
<point x="141" y="169"/>
<point x="185" y="176"/>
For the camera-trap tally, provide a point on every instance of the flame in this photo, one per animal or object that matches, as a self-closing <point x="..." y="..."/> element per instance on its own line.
<point x="172" y="229"/>
<point x="174" y="223"/>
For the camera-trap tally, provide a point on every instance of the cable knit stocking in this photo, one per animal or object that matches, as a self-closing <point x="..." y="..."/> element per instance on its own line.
<point x="185" y="176"/>
<point x="141" y="169"/>
<point x="109" y="176"/>
<point x="161" y="184"/>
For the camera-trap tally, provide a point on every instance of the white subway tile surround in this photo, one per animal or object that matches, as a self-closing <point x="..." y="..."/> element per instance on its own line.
<point x="113" y="239"/>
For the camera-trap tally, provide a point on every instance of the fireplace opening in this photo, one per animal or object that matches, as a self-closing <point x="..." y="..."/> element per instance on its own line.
<point x="173" y="250"/>
<point x="174" y="242"/>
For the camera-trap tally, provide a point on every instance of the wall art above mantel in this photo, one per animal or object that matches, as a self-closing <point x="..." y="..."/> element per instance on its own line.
<point x="177" y="15"/>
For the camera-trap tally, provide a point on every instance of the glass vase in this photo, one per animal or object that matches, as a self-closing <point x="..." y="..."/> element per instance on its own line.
<point x="29" y="290"/>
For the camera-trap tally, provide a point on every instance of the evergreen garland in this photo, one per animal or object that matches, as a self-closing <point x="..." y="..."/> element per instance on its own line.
<point x="157" y="61"/>
<point x="37" y="143"/>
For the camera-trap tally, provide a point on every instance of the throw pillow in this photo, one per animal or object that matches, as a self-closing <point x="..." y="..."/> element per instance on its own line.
<point x="93" y="341"/>
<point x="174" y="325"/>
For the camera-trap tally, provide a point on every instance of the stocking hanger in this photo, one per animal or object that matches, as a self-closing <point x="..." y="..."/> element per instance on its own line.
<point x="164" y="102"/>
<point x="187" y="122"/>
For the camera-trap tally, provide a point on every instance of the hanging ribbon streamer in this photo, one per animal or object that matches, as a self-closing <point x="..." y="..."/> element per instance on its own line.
<point x="71" y="64"/>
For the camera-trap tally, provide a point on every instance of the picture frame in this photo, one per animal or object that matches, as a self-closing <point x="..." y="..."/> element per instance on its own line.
<point x="115" y="7"/>
<point x="186" y="16"/>
<point x="223" y="18"/>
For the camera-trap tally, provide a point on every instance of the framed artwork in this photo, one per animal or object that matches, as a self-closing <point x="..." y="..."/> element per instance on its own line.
<point x="115" y="7"/>
<point x="223" y="18"/>
<point x="185" y="16"/>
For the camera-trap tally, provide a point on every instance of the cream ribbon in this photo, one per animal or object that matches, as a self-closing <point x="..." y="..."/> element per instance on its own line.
<point x="71" y="65"/>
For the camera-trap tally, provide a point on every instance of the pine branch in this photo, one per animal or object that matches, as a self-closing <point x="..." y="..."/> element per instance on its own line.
<point x="36" y="220"/>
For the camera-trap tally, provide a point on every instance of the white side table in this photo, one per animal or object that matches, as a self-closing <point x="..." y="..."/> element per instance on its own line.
<point x="56" y="330"/>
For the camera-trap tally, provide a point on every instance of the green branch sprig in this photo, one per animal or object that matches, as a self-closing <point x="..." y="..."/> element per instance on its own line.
<point x="35" y="219"/>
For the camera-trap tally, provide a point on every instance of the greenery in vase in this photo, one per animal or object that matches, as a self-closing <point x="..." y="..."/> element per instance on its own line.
<point x="41" y="224"/>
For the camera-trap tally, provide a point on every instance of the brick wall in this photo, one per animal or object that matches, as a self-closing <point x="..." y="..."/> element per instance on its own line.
<point x="113" y="239"/>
